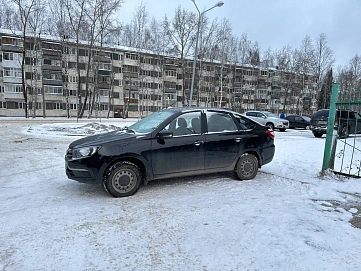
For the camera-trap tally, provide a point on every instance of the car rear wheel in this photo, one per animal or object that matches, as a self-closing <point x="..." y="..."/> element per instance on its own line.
<point x="122" y="179"/>
<point x="282" y="130"/>
<point x="317" y="134"/>
<point x="247" y="167"/>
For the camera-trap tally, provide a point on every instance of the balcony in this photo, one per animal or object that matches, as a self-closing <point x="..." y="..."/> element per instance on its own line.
<point x="127" y="74"/>
<point x="13" y="48"/>
<point x="13" y="95"/>
<point x="55" y="54"/>
<point x="170" y="90"/>
<point x="52" y="67"/>
<point x="131" y="100"/>
<point x="53" y="97"/>
<point x="132" y="88"/>
<point x="104" y="72"/>
<point x="100" y="58"/>
<point x="52" y="82"/>
<point x="102" y="85"/>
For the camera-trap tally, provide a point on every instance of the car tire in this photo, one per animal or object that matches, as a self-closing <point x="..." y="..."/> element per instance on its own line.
<point x="317" y="134"/>
<point x="307" y="127"/>
<point x="122" y="179"/>
<point x="247" y="167"/>
<point x="270" y="125"/>
<point x="283" y="129"/>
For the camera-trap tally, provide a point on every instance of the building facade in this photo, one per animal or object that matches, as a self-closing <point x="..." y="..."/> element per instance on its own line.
<point x="68" y="79"/>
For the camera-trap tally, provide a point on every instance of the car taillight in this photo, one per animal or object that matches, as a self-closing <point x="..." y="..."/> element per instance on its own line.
<point x="270" y="133"/>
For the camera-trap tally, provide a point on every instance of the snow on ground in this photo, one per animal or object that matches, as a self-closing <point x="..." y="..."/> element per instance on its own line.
<point x="287" y="218"/>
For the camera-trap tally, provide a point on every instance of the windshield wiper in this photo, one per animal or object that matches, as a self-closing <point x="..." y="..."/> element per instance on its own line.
<point x="128" y="130"/>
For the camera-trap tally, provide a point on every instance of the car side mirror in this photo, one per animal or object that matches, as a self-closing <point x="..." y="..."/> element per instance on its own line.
<point x="164" y="134"/>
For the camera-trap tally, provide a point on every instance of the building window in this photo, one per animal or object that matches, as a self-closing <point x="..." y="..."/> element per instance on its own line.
<point x="171" y="73"/>
<point x="12" y="72"/>
<point x="13" y="88"/>
<point x="57" y="106"/>
<point x="12" y="56"/>
<point x="103" y="92"/>
<point x="53" y="89"/>
<point x="72" y="106"/>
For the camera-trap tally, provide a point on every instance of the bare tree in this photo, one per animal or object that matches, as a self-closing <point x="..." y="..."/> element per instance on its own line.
<point x="323" y="60"/>
<point x="355" y="67"/>
<point x="306" y="53"/>
<point x="25" y="10"/>
<point x="288" y="68"/>
<point x="181" y="31"/>
<point x="76" y="14"/>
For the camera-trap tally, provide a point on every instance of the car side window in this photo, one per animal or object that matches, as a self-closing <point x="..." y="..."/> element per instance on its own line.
<point x="185" y="124"/>
<point x="220" y="122"/>
<point x="260" y="115"/>
<point x="251" y="114"/>
<point x="244" y="123"/>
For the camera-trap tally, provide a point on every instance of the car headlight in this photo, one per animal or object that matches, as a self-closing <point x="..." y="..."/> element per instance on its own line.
<point x="84" y="152"/>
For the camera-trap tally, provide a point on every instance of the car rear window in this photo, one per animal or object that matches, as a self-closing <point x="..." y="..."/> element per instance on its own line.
<point x="321" y="113"/>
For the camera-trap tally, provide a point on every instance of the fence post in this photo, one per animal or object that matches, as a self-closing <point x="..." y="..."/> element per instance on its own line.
<point x="330" y="127"/>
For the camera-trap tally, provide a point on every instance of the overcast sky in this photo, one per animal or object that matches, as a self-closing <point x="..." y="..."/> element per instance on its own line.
<point x="275" y="23"/>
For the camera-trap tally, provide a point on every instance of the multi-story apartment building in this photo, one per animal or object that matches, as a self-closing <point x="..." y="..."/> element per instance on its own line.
<point x="63" y="78"/>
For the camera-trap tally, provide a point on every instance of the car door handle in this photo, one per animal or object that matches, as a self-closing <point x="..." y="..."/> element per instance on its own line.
<point x="237" y="139"/>
<point x="198" y="143"/>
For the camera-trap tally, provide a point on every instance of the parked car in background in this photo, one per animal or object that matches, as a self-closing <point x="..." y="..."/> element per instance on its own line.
<point x="297" y="121"/>
<point x="269" y="119"/>
<point x="171" y="143"/>
<point x="346" y="122"/>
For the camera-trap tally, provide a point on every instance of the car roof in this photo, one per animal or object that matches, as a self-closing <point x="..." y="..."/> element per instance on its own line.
<point x="192" y="108"/>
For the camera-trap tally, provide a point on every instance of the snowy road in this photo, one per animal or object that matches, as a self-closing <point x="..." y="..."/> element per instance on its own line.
<point x="285" y="219"/>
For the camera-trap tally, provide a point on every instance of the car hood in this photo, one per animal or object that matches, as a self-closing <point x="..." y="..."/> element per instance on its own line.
<point x="100" y="139"/>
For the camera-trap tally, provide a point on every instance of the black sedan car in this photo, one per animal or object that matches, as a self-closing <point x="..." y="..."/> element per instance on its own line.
<point x="171" y="143"/>
<point x="299" y="121"/>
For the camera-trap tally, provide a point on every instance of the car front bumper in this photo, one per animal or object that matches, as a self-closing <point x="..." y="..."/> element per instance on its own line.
<point x="80" y="173"/>
<point x="319" y="129"/>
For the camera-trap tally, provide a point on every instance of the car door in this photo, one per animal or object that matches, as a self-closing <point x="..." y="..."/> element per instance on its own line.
<point x="181" y="152"/>
<point x="291" y="120"/>
<point x="257" y="116"/>
<point x="223" y="140"/>
<point x="299" y="122"/>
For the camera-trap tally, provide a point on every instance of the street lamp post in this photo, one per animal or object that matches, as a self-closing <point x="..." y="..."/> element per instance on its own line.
<point x="200" y="14"/>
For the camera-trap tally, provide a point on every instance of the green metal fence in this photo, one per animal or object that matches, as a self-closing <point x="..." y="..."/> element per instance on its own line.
<point x="342" y="152"/>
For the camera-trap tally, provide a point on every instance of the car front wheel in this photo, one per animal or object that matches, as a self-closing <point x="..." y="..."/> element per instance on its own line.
<point x="247" y="167"/>
<point x="317" y="134"/>
<point x="122" y="179"/>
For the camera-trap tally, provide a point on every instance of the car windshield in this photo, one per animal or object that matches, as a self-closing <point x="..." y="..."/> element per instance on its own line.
<point x="269" y="114"/>
<point x="149" y="123"/>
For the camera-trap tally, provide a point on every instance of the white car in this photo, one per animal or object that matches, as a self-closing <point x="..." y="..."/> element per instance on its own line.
<point x="269" y="119"/>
